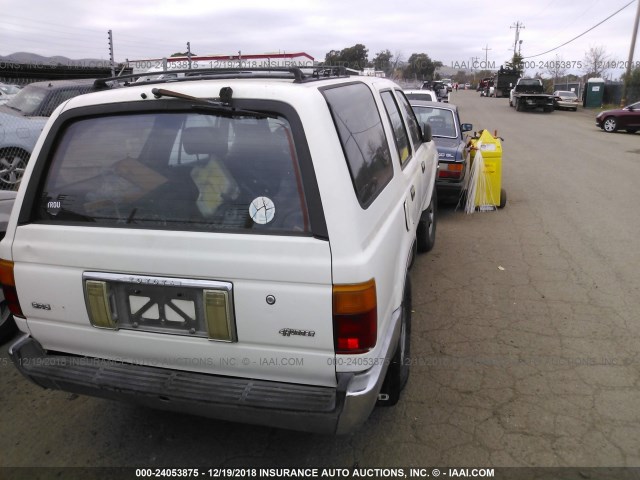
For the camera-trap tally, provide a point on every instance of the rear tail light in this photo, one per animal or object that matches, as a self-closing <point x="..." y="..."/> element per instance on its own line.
<point x="450" y="170"/>
<point x="9" y="288"/>
<point x="355" y="317"/>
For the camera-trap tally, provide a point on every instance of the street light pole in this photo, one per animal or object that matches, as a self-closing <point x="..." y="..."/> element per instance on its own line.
<point x="627" y="76"/>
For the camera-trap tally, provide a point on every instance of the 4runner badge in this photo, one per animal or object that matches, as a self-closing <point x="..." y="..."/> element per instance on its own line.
<point x="41" y="306"/>
<point x="287" y="332"/>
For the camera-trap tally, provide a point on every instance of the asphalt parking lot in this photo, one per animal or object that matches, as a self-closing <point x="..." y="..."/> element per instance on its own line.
<point x="525" y="336"/>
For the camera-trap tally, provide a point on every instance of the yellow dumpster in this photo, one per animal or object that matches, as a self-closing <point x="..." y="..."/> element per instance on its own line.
<point x="485" y="181"/>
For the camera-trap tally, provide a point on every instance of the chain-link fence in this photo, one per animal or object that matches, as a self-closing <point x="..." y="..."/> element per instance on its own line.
<point x="23" y="114"/>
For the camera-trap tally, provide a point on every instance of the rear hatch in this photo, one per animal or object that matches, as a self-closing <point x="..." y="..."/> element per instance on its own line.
<point x="180" y="238"/>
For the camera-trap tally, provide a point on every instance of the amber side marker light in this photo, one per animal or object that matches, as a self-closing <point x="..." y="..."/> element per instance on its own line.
<point x="217" y="311"/>
<point x="355" y="317"/>
<point x="98" y="305"/>
<point x="9" y="288"/>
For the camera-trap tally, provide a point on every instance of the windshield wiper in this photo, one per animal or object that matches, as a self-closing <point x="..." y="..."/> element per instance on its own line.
<point x="206" y="104"/>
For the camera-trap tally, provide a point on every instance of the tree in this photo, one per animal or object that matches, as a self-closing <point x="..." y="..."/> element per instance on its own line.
<point x="556" y="68"/>
<point x="515" y="63"/>
<point x="382" y="61"/>
<point x="421" y="67"/>
<point x="355" y="57"/>
<point x="594" y="62"/>
<point x="633" y="86"/>
<point x="332" y="58"/>
<point x="179" y="54"/>
<point x="460" y="77"/>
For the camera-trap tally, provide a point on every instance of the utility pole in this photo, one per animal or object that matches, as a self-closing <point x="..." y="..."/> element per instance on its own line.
<point x="627" y="76"/>
<point x="486" y="55"/>
<point x="111" y="61"/>
<point x="189" y="53"/>
<point x="518" y="26"/>
<point x="474" y="60"/>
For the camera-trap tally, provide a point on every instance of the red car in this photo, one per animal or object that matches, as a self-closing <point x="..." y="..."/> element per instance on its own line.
<point x="627" y="118"/>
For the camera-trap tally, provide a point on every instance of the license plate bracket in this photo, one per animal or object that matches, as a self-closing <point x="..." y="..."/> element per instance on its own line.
<point x="168" y="305"/>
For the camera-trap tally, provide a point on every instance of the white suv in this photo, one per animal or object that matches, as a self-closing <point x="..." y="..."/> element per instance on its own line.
<point x="234" y="245"/>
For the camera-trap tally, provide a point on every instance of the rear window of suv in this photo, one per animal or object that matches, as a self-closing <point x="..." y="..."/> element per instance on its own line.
<point x="176" y="170"/>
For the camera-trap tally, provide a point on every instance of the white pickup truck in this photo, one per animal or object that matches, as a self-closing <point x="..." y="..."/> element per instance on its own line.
<point x="235" y="244"/>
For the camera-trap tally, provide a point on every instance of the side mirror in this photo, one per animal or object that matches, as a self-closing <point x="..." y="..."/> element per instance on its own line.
<point x="630" y="108"/>
<point x="426" y="132"/>
<point x="466" y="127"/>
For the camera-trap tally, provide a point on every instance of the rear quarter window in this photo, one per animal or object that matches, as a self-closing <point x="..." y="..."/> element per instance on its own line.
<point x="363" y="140"/>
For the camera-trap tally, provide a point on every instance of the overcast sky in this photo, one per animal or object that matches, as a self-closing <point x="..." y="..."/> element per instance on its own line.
<point x="453" y="32"/>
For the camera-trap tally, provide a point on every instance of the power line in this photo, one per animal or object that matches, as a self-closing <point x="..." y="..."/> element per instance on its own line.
<point x="583" y="33"/>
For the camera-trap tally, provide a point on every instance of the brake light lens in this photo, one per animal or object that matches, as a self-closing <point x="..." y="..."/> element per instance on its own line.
<point x="355" y="317"/>
<point x="9" y="288"/>
<point x="450" y="170"/>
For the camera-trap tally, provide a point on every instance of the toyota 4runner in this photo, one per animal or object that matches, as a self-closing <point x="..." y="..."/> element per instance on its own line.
<point x="234" y="244"/>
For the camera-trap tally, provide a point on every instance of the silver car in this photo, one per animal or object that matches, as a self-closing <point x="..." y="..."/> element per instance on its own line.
<point x="565" y="99"/>
<point x="23" y="117"/>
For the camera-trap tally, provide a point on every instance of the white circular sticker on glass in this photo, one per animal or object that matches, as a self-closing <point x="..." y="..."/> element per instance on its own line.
<point x="262" y="210"/>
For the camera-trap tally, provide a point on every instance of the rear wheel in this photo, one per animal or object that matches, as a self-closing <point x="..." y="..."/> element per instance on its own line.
<point x="503" y="198"/>
<point x="610" y="125"/>
<point x="398" y="372"/>
<point x="426" y="232"/>
<point x="7" y="324"/>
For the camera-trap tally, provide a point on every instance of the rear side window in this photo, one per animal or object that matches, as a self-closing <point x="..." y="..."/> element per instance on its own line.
<point x="365" y="146"/>
<point x="176" y="171"/>
<point x="412" y="122"/>
<point x="399" y="131"/>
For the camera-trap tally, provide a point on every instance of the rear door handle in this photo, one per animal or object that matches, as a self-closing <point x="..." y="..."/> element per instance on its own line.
<point x="413" y="192"/>
<point x="424" y="167"/>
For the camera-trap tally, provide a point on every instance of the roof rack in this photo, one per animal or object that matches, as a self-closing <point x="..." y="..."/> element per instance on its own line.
<point x="299" y="75"/>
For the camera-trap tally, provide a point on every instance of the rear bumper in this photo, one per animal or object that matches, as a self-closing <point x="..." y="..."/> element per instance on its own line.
<point x="560" y="104"/>
<point x="449" y="190"/>
<point x="275" y="404"/>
